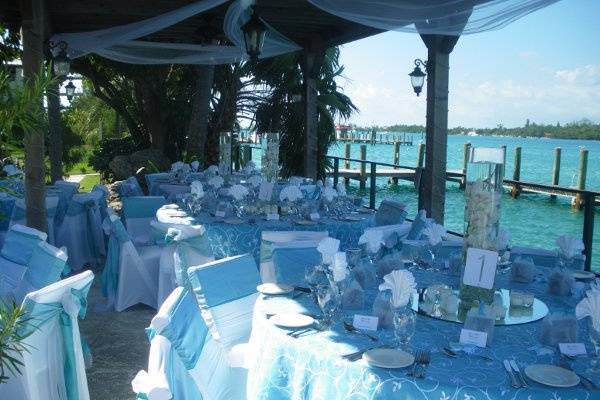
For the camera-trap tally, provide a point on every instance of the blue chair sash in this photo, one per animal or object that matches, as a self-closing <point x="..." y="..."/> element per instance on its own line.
<point x="110" y="274"/>
<point x="94" y="236"/>
<point x="198" y="243"/>
<point x="40" y="313"/>
<point x="142" y="206"/>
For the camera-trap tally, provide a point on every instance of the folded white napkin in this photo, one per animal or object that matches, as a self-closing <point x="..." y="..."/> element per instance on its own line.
<point x="340" y="266"/>
<point x="238" y="192"/>
<point x="216" y="181"/>
<point x="296" y="180"/>
<point x="197" y="189"/>
<point x="590" y="307"/>
<point x="255" y="180"/>
<point x="213" y="169"/>
<point x="180" y="166"/>
<point x="328" y="247"/>
<point x="341" y="189"/>
<point x="435" y="233"/>
<point x="249" y="167"/>
<point x="373" y="238"/>
<point x="402" y="284"/>
<point x="569" y="245"/>
<point x="195" y="165"/>
<point x="290" y="193"/>
<point x="594" y="287"/>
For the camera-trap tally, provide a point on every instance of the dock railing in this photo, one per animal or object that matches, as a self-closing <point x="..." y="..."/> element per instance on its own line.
<point x="589" y="197"/>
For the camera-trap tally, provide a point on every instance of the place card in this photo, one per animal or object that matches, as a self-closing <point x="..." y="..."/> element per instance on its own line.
<point x="365" y="322"/>
<point x="572" y="349"/>
<point x="315" y="216"/>
<point x="220" y="214"/>
<point x="265" y="192"/>
<point x="272" y="217"/>
<point x="480" y="268"/>
<point x="468" y="336"/>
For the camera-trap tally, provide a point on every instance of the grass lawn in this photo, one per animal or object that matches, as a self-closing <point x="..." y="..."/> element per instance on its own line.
<point x="88" y="182"/>
<point x="80" y="168"/>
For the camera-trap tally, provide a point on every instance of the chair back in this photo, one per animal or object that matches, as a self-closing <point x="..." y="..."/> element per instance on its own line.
<point x="153" y="181"/>
<point x="130" y="187"/>
<point x="138" y="212"/>
<point x="54" y="367"/>
<point x="390" y="213"/>
<point x="70" y="188"/>
<point x="226" y="292"/>
<point x="19" y="243"/>
<point x="291" y="259"/>
<point x="284" y="241"/>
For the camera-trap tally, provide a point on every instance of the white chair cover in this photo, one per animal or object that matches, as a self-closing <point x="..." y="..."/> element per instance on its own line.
<point x="129" y="277"/>
<point x="81" y="230"/>
<point x="153" y="182"/>
<point x="170" y="191"/>
<point x="269" y="239"/>
<point x="137" y="213"/>
<point x="182" y="246"/>
<point x="54" y="367"/>
<point x="19" y="215"/>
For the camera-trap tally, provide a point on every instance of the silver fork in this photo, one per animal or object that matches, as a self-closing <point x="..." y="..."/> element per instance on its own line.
<point x="426" y="359"/>
<point x="350" y="328"/>
<point x="418" y="360"/>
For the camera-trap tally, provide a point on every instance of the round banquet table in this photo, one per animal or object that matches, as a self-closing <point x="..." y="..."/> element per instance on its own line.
<point x="233" y="239"/>
<point x="311" y="367"/>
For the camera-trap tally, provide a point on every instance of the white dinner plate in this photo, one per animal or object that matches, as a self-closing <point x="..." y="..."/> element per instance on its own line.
<point x="274" y="289"/>
<point x="233" y="221"/>
<point x="583" y="275"/>
<point x="365" y="210"/>
<point x="354" y="218"/>
<point x="292" y="321"/>
<point x="388" y="358"/>
<point x="551" y="375"/>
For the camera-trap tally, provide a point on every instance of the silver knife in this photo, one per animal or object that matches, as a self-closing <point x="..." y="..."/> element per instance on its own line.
<point x="513" y="379"/>
<point x="514" y="365"/>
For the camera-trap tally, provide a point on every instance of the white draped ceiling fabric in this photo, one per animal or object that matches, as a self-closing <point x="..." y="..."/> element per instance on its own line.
<point x="445" y="17"/>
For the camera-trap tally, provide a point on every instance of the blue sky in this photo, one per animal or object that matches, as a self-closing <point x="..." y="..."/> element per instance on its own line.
<point x="545" y="67"/>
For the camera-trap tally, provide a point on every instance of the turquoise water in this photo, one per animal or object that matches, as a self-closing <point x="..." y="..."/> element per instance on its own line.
<point x="533" y="220"/>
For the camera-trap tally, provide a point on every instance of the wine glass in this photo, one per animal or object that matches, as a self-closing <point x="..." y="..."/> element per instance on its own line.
<point x="404" y="325"/>
<point x="328" y="302"/>
<point x="315" y="276"/>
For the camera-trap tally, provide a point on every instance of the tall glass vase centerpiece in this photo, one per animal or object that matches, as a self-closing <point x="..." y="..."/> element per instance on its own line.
<point x="483" y="193"/>
<point x="225" y="153"/>
<point x="270" y="156"/>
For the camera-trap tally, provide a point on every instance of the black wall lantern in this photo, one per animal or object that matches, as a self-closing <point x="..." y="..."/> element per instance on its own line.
<point x="61" y="63"/>
<point x="254" y="35"/>
<point x="70" y="90"/>
<point x="417" y="76"/>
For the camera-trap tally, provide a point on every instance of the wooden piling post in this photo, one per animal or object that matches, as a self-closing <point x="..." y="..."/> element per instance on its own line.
<point x="466" y="153"/>
<point x="579" y="200"/>
<point x="363" y="166"/>
<point x="396" y="159"/>
<point x="421" y="155"/>
<point x="346" y="162"/>
<point x="516" y="190"/>
<point x="556" y="169"/>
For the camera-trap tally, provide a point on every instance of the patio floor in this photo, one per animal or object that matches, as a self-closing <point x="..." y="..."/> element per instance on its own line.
<point x="119" y="346"/>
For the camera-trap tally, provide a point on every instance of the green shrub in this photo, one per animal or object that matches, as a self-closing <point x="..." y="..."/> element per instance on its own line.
<point x="107" y="150"/>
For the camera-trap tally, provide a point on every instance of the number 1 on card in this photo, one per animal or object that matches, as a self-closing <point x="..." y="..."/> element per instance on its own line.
<point x="480" y="268"/>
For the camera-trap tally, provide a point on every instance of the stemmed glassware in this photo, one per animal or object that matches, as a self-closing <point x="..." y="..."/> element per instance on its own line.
<point x="595" y="339"/>
<point x="315" y="276"/>
<point x="404" y="325"/>
<point x="329" y="302"/>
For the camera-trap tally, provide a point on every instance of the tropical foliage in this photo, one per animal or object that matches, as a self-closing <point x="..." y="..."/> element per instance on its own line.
<point x="12" y="333"/>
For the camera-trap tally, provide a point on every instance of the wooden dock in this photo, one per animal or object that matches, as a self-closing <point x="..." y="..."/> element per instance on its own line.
<point x="376" y="138"/>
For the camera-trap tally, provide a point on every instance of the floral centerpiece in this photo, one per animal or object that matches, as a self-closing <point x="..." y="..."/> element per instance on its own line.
<point x="483" y="192"/>
<point x="290" y="197"/>
<point x="180" y="171"/>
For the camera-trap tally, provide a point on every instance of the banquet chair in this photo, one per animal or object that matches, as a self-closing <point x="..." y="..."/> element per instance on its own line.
<point x="19" y="245"/>
<point x="69" y="187"/>
<point x="153" y="182"/>
<point x="288" y="246"/>
<point x="19" y="215"/>
<point x="544" y="257"/>
<point x="390" y="213"/>
<point x="226" y="292"/>
<point x="185" y="361"/>
<point x="137" y="213"/>
<point x="130" y="274"/>
<point x="44" y="268"/>
<point x="171" y="191"/>
<point x="103" y="200"/>
<point x="181" y="247"/>
<point x="81" y="231"/>
<point x="53" y="367"/>
<point x="130" y="187"/>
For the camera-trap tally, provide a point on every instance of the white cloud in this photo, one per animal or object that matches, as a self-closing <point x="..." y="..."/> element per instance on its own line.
<point x="582" y="76"/>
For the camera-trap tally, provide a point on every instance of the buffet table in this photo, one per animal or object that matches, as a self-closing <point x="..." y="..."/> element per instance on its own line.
<point x="311" y="366"/>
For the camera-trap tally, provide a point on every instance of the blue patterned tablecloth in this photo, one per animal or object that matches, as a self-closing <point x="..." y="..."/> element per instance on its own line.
<point x="230" y="239"/>
<point x="310" y="367"/>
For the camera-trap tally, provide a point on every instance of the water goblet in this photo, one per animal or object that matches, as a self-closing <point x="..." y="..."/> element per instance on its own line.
<point x="404" y="325"/>
<point x="353" y="257"/>
<point x="327" y="300"/>
<point x="595" y="339"/>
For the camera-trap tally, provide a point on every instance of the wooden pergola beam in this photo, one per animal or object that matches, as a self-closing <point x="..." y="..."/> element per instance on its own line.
<point x="312" y="60"/>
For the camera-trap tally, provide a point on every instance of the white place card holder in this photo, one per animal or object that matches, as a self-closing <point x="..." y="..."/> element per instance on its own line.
<point x="480" y="268"/>
<point x="273" y="217"/>
<point x="572" y="349"/>
<point x="315" y="216"/>
<point x="265" y="192"/>
<point x="365" y="322"/>
<point x="220" y="214"/>
<point x="468" y="336"/>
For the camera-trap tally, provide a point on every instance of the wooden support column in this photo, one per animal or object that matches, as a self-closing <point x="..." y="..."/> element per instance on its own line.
<point x="347" y="163"/>
<point x="466" y="155"/>
<point x="556" y="169"/>
<point x="33" y="30"/>
<point x="55" y="133"/>
<point x="311" y="67"/>
<point x="198" y="125"/>
<point x="433" y="187"/>
<point x="516" y="189"/>
<point x="578" y="201"/>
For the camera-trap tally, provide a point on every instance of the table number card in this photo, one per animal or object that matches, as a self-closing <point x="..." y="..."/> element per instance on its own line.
<point x="572" y="349"/>
<point x="365" y="322"/>
<point x="480" y="268"/>
<point x="468" y="336"/>
<point x="265" y="192"/>
<point x="220" y="214"/>
<point x="315" y="216"/>
<point x="273" y="217"/>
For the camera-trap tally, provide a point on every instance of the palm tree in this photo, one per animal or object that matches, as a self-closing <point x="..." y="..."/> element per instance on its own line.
<point x="282" y="109"/>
